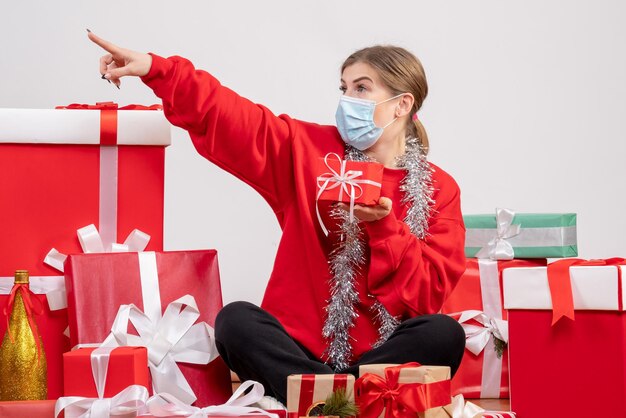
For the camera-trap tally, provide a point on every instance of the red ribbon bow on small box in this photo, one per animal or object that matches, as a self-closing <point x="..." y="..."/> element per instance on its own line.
<point x="399" y="400"/>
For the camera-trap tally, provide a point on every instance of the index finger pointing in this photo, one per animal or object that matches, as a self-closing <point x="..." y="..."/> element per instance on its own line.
<point x="106" y="45"/>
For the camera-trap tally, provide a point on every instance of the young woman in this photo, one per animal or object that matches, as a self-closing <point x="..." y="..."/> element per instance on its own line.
<point x="369" y="292"/>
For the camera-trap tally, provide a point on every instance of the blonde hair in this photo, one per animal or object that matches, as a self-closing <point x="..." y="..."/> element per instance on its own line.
<point x="401" y="72"/>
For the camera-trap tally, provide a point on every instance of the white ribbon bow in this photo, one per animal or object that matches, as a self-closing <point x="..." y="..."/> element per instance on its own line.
<point x="169" y="339"/>
<point x="166" y="405"/>
<point x="499" y="248"/>
<point x="477" y="336"/>
<point x="130" y="400"/>
<point x="90" y="242"/>
<point x="346" y="180"/>
<point x="462" y="409"/>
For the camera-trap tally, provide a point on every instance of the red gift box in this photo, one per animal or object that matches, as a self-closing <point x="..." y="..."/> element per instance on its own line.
<point x="54" y="179"/>
<point x="51" y="167"/>
<point x="30" y="409"/>
<point x="553" y="368"/>
<point x="127" y="366"/>
<point x="98" y="284"/>
<point x="338" y="180"/>
<point x="479" y="289"/>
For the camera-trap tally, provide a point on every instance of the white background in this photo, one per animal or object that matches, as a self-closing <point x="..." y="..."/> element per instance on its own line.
<point x="526" y="108"/>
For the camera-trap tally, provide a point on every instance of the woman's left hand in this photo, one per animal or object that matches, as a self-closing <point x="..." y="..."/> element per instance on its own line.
<point x="370" y="213"/>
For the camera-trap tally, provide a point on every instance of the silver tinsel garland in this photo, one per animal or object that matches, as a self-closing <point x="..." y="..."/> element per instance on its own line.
<point x="347" y="259"/>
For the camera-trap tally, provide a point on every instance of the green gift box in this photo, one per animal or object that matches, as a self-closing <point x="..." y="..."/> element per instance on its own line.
<point x="507" y="235"/>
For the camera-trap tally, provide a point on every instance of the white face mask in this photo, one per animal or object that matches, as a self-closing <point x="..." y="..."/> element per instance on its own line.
<point x="355" y="121"/>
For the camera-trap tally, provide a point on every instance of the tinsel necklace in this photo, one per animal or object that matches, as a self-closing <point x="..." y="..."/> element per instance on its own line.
<point x="347" y="259"/>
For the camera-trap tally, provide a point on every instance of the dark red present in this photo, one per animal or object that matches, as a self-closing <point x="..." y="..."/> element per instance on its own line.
<point x="98" y="284"/>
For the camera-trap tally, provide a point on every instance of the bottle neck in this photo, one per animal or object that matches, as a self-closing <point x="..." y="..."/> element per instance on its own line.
<point x="21" y="277"/>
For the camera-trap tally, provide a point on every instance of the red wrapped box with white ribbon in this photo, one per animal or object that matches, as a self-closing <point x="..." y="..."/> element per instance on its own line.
<point x="165" y="301"/>
<point x="126" y="366"/>
<point x="567" y="333"/>
<point x="63" y="169"/>
<point x="123" y="400"/>
<point x="352" y="182"/>
<point x="476" y="302"/>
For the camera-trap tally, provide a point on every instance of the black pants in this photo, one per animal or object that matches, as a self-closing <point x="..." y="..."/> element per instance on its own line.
<point x="256" y="346"/>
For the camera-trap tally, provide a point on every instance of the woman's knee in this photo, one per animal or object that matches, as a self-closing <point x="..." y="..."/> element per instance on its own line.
<point x="233" y="320"/>
<point x="441" y="330"/>
<point x="452" y="332"/>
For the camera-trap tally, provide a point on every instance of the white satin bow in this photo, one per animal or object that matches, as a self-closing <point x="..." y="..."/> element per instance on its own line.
<point x="90" y="242"/>
<point x="169" y="339"/>
<point x="462" y="409"/>
<point x="166" y="405"/>
<point x="499" y="248"/>
<point x="130" y="400"/>
<point x="477" y="336"/>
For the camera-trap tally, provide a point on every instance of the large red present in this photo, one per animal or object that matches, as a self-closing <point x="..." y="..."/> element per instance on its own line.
<point x="154" y="294"/>
<point x="476" y="302"/>
<point x="56" y="175"/>
<point x="126" y="366"/>
<point x="306" y="391"/>
<point x="555" y="367"/>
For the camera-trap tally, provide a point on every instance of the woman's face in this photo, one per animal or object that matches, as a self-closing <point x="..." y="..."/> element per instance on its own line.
<point x="360" y="80"/>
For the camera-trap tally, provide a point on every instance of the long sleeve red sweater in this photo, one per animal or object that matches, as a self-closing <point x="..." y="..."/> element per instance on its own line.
<point x="277" y="155"/>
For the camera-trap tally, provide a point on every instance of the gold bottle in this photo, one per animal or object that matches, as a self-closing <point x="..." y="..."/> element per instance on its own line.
<point x="23" y="366"/>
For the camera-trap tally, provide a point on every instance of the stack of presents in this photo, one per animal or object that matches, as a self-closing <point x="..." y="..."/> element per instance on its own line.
<point x="108" y="324"/>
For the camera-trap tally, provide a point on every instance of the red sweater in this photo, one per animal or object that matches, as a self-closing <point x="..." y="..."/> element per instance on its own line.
<point x="277" y="155"/>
